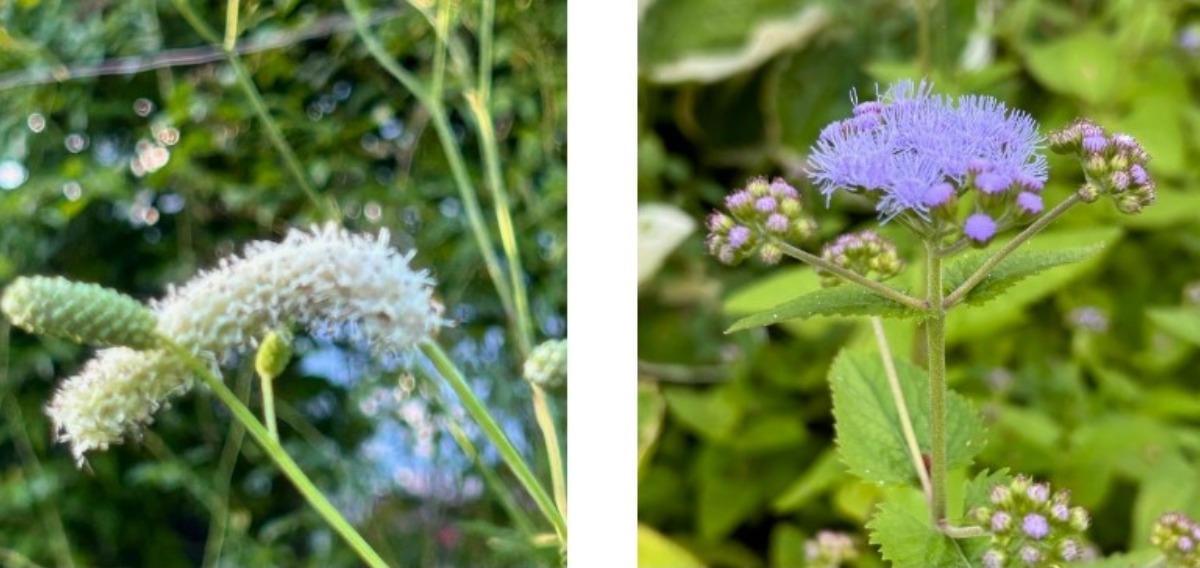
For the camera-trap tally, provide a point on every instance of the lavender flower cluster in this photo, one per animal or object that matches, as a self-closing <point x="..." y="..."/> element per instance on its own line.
<point x="1114" y="165"/>
<point x="1178" y="536"/>
<point x="829" y="550"/>
<point x="1030" y="527"/>
<point x="916" y="154"/>
<point x="757" y="213"/>
<point x="863" y="252"/>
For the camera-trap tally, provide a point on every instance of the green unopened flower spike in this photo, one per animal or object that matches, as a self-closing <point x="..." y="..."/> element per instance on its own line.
<point x="78" y="311"/>
<point x="274" y="354"/>
<point x="547" y="364"/>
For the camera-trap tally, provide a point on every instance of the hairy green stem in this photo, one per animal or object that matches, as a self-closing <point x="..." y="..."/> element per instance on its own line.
<point x="964" y="532"/>
<point x="935" y="342"/>
<point x="881" y="289"/>
<point x="280" y="456"/>
<point x="910" y="435"/>
<point x="492" y="430"/>
<point x="965" y="288"/>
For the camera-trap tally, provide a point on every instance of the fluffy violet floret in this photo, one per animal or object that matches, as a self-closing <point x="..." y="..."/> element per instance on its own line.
<point x="1035" y="526"/>
<point x="916" y="140"/>
<point x="938" y="195"/>
<point x="328" y="281"/>
<point x="738" y="236"/>
<point x="765" y="204"/>
<point x="992" y="182"/>
<point x="1030" y="202"/>
<point x="979" y="227"/>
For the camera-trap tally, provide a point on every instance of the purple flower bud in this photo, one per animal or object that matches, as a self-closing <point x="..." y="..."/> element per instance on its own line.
<point x="1070" y="550"/>
<point x="1139" y="175"/>
<point x="1030" y="202"/>
<point x="1028" y="182"/>
<point x="1001" y="495"/>
<point x="1030" y="554"/>
<point x="758" y="186"/>
<point x="939" y="194"/>
<point x="777" y="223"/>
<point x="1095" y="144"/>
<point x="738" y="200"/>
<point x="979" y="165"/>
<point x="992" y="183"/>
<point x="1061" y="512"/>
<point x="1124" y="141"/>
<point x="783" y="189"/>
<point x="719" y="222"/>
<point x="765" y="204"/>
<point x="1185" y="544"/>
<point x="1001" y="522"/>
<point x="1035" y="526"/>
<point x="980" y="228"/>
<point x="1038" y="492"/>
<point x="993" y="559"/>
<point x="738" y="236"/>
<point x="1119" y="181"/>
<point x="1089" y="129"/>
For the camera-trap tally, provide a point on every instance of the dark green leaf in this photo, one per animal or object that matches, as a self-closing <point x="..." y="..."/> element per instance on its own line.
<point x="902" y="531"/>
<point x="1014" y="268"/>
<point x="844" y="300"/>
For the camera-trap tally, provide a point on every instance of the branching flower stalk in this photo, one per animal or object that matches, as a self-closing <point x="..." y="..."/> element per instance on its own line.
<point x="957" y="172"/>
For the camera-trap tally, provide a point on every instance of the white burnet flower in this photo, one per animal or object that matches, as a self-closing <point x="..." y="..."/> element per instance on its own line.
<point x="328" y="281"/>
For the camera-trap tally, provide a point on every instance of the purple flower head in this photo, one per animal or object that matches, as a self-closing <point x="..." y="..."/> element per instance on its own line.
<point x="738" y="236"/>
<point x="1028" y="182"/>
<point x="765" y="204"/>
<point x="915" y="140"/>
<point x="777" y="223"/>
<point x="1030" y="203"/>
<point x="1139" y="175"/>
<point x="783" y="190"/>
<point x="1030" y="554"/>
<point x="738" y="200"/>
<point x="1185" y="544"/>
<point x="980" y="228"/>
<point x="1119" y="181"/>
<point x="1038" y="492"/>
<point x="1095" y="144"/>
<point x="992" y="182"/>
<point x="938" y="195"/>
<point x="1035" y="526"/>
<point x="1001" y="521"/>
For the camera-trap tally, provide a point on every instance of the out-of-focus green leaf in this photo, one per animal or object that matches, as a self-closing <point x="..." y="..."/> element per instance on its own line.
<point x="770" y="433"/>
<point x="1129" y="444"/>
<point x="1083" y="64"/>
<point x="818" y="477"/>
<point x="651" y="409"/>
<point x="709" y="413"/>
<point x="787" y="546"/>
<point x="709" y="40"/>
<point x="1183" y="323"/>
<point x="658" y="551"/>
<point x="869" y="434"/>
<point x="1171" y="486"/>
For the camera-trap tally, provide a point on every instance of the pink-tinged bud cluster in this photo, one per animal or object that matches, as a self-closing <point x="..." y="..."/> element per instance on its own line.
<point x="1031" y="526"/>
<point x="1114" y="165"/>
<point x="1178" y="537"/>
<point x="759" y="216"/>
<point x="829" y="550"/>
<point x="864" y="253"/>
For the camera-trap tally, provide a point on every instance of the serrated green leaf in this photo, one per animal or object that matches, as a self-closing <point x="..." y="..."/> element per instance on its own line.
<point x="1014" y="268"/>
<point x="902" y="531"/>
<point x="845" y="300"/>
<point x="978" y="490"/>
<point x="869" y="435"/>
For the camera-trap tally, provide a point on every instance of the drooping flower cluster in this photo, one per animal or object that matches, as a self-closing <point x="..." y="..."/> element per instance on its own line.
<point x="757" y="214"/>
<point x="864" y="253"/>
<point x="328" y="281"/>
<point x="829" y="550"/>
<point x="916" y="154"/>
<point x="1030" y="527"/>
<point x="1178" y="536"/>
<point x="1115" y="165"/>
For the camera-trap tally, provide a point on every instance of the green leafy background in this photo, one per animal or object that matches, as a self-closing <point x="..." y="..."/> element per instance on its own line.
<point x="375" y="439"/>
<point x="1083" y="374"/>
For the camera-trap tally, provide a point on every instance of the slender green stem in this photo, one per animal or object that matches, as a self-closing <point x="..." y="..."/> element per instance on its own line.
<point x="964" y="532"/>
<point x="558" y="478"/>
<point x="458" y="169"/>
<point x="47" y="509"/>
<point x="225" y="464"/>
<point x="274" y="133"/>
<point x="487" y="423"/>
<point x="268" y="402"/>
<point x="935" y="341"/>
<point x="231" y="25"/>
<point x="965" y="288"/>
<point x="910" y="435"/>
<point x="315" y="498"/>
<point x="487" y="16"/>
<point x="441" y="29"/>
<point x="881" y="289"/>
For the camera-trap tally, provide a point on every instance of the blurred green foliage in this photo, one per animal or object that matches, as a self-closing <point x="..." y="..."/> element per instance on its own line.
<point x="137" y="180"/>
<point x="1085" y="375"/>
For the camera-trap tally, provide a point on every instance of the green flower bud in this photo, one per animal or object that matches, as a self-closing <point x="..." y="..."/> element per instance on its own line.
<point x="274" y="354"/>
<point x="81" y="312"/>
<point x="1088" y="193"/>
<point x="547" y="364"/>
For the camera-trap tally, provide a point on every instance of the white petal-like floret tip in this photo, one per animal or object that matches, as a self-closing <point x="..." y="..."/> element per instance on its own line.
<point x="328" y="281"/>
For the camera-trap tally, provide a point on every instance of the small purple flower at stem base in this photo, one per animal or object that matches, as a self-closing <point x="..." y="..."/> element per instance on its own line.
<point x="980" y="228"/>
